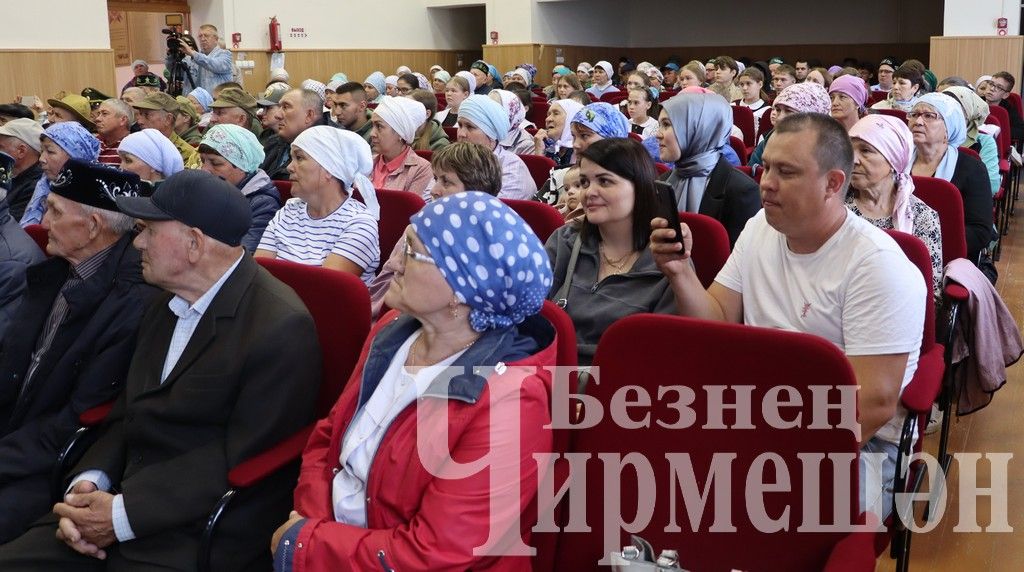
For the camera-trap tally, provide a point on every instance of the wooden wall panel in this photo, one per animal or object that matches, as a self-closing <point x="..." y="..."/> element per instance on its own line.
<point x="971" y="57"/>
<point x="506" y="57"/>
<point x="45" y="72"/>
<point x="357" y="64"/>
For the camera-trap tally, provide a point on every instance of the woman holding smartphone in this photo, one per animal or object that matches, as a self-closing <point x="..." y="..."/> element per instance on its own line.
<point x="603" y="269"/>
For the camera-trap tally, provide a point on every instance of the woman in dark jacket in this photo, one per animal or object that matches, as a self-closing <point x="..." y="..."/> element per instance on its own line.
<point x="691" y="129"/>
<point x="234" y="154"/>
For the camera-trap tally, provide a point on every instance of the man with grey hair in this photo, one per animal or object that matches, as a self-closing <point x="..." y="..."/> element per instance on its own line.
<point x="210" y="65"/>
<point x="19" y="138"/>
<point x="72" y="337"/>
<point x="114" y="119"/>
<point x="300" y="109"/>
<point x="133" y="95"/>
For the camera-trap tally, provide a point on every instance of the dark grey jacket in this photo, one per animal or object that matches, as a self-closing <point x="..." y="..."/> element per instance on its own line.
<point x="594" y="306"/>
<point x="17" y="252"/>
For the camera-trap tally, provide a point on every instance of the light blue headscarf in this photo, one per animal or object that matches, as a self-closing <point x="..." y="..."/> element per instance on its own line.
<point x="486" y="114"/>
<point x="488" y="255"/>
<point x="340" y="77"/>
<point x="78" y="144"/>
<point x="155" y="150"/>
<point x="956" y="131"/>
<point x="604" y="119"/>
<point x="236" y="144"/>
<point x="376" y="79"/>
<point x="701" y="122"/>
<point x="203" y="97"/>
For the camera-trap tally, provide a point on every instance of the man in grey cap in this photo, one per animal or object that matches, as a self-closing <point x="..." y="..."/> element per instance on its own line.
<point x="227" y="364"/>
<point x="19" y="138"/>
<point x="72" y="336"/>
<point x="270" y="110"/>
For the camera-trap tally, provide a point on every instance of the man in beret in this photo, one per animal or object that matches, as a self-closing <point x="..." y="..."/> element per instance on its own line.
<point x="17" y="251"/>
<point x="227" y="364"/>
<point x="19" y="138"/>
<point x="160" y="111"/>
<point x="236" y="107"/>
<point x="69" y="343"/>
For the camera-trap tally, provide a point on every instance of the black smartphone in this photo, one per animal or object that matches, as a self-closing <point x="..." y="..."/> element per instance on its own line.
<point x="668" y="208"/>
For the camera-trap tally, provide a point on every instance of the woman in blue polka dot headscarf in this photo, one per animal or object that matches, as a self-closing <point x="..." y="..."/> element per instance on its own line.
<point x="488" y="255"/>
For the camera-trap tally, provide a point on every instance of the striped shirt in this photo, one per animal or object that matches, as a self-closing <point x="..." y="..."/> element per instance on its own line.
<point x="350" y="232"/>
<point x="516" y="180"/>
<point x="108" y="153"/>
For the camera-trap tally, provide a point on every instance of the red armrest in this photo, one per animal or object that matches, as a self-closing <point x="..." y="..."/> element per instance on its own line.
<point x="956" y="292"/>
<point x="1004" y="166"/>
<point x="256" y="468"/>
<point x="96" y="415"/>
<point x="924" y="387"/>
<point x="855" y="553"/>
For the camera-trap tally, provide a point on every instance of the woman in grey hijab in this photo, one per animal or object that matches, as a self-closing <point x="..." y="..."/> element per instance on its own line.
<point x="691" y="128"/>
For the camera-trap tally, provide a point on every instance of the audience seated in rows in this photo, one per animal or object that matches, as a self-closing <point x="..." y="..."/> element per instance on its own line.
<point x="58" y="144"/>
<point x="395" y="165"/>
<point x="300" y="110"/>
<point x="160" y="111"/>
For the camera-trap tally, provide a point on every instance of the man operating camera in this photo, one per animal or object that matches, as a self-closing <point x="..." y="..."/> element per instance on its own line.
<point x="209" y="66"/>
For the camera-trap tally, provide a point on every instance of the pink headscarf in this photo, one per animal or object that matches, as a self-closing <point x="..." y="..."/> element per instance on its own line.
<point x="806" y="97"/>
<point x="892" y="138"/>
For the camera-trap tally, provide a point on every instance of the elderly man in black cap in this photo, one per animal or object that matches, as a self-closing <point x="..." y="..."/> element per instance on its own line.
<point x="227" y="364"/>
<point x="17" y="251"/>
<point x="71" y="339"/>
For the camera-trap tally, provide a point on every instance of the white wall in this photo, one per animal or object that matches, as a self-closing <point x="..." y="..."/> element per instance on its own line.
<point x="55" y="24"/>
<point x="978" y="17"/>
<point x="584" y="23"/>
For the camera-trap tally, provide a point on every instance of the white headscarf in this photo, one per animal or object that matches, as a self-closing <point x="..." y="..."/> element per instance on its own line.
<point x="403" y="114"/>
<point x="346" y="156"/>
<point x="469" y="78"/>
<point x="153" y="149"/>
<point x="570" y="107"/>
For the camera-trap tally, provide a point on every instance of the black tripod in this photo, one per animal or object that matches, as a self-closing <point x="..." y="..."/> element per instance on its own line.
<point x="177" y="74"/>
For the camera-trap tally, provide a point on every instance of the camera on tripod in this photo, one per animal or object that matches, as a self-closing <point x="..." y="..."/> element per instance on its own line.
<point x="177" y="70"/>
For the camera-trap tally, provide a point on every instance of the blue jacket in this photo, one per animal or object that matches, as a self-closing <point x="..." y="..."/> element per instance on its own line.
<point x="17" y="252"/>
<point x="264" y="200"/>
<point x="208" y="70"/>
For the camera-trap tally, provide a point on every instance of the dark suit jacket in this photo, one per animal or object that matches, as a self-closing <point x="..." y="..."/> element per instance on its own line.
<point x="731" y="197"/>
<point x="247" y="379"/>
<point x="85" y="366"/>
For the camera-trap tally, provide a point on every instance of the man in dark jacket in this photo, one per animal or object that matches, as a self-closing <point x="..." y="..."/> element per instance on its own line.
<point x="227" y="364"/>
<point x="19" y="138"/>
<point x="69" y="344"/>
<point x="17" y="251"/>
<point x="302" y="109"/>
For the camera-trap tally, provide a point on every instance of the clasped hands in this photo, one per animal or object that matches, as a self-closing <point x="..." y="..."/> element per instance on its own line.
<point x="86" y="520"/>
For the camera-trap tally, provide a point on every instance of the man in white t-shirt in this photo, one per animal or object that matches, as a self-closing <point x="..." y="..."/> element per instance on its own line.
<point x="806" y="263"/>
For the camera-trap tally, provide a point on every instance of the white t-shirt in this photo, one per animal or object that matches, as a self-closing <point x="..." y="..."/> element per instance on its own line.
<point x="350" y="231"/>
<point x="648" y="128"/>
<point x="858" y="291"/>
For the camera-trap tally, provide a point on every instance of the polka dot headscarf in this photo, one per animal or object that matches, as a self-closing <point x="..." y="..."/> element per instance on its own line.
<point x="488" y="255"/>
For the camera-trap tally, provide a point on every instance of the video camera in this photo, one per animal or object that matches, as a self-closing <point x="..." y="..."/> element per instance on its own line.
<point x="174" y="23"/>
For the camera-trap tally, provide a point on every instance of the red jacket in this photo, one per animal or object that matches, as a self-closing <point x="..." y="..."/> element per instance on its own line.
<point x="419" y="521"/>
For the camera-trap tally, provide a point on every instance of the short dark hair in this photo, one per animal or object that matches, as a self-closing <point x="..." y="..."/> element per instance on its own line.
<point x="953" y="80"/>
<point x="427" y="98"/>
<point x="476" y="166"/>
<point x="1006" y="76"/>
<point x="353" y="87"/>
<point x="409" y="79"/>
<point x="833" y="149"/>
<point x="525" y="97"/>
<point x="628" y="159"/>
<point x="16" y="111"/>
<point x="581" y="97"/>
<point x="728" y="62"/>
<point x="911" y="74"/>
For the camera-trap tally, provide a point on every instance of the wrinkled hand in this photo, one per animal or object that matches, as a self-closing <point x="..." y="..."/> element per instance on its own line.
<point x="276" y="538"/>
<point x="185" y="47"/>
<point x="670" y="256"/>
<point x="86" y="523"/>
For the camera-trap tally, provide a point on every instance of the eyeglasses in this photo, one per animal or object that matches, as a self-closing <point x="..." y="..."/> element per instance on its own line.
<point x="926" y="115"/>
<point x="997" y="87"/>
<point x="405" y="90"/>
<point x="410" y="253"/>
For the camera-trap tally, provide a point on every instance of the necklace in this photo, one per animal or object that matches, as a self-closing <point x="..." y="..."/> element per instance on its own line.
<point x="414" y="356"/>
<point x="616" y="264"/>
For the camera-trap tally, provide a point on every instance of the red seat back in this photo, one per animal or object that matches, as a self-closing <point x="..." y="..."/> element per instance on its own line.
<point x="684" y="355"/>
<point x="614" y="97"/>
<point x="710" y="245"/>
<point x="538" y="113"/>
<point x="898" y="114"/>
<point x="1000" y="117"/>
<point x="876" y="96"/>
<point x="341" y="333"/>
<point x="764" y="124"/>
<point x="452" y="133"/>
<point x="284" y="188"/>
<point x="539" y="166"/>
<point x="1014" y="99"/>
<point x="396" y="207"/>
<point x="740" y="149"/>
<point x="945" y="199"/>
<point x="426" y="154"/>
<point x="442" y="101"/>
<point x="37" y="233"/>
<point x="743" y="118"/>
<point x="917" y="253"/>
<point x="661" y="168"/>
<point x="543" y="218"/>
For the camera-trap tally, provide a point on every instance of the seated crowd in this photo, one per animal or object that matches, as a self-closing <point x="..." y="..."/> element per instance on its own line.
<point x="150" y="293"/>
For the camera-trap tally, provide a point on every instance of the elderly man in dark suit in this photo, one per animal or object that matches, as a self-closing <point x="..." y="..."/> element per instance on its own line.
<point x="227" y="364"/>
<point x="17" y="252"/>
<point x="69" y="343"/>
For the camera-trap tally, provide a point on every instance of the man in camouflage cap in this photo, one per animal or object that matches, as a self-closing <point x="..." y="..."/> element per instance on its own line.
<point x="160" y="111"/>
<point x="235" y="107"/>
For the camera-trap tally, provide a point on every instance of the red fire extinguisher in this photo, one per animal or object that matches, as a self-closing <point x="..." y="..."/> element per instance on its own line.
<point x="275" y="35"/>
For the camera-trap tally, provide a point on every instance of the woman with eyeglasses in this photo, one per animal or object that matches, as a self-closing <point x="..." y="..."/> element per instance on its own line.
<point x="428" y="454"/>
<point x="938" y="126"/>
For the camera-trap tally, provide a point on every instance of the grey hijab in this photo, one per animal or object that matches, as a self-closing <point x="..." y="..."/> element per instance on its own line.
<point x="701" y="122"/>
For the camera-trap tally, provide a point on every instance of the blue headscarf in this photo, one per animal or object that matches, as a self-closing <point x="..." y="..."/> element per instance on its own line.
<point x="376" y="79"/>
<point x="488" y="255"/>
<point x="604" y="119"/>
<point x="956" y="131"/>
<point x="486" y="114"/>
<point x="203" y="97"/>
<point x="78" y="144"/>
<point x="495" y="74"/>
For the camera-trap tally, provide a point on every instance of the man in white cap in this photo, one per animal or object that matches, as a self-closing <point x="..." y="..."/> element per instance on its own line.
<point x="395" y="165"/>
<point x="19" y="138"/>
